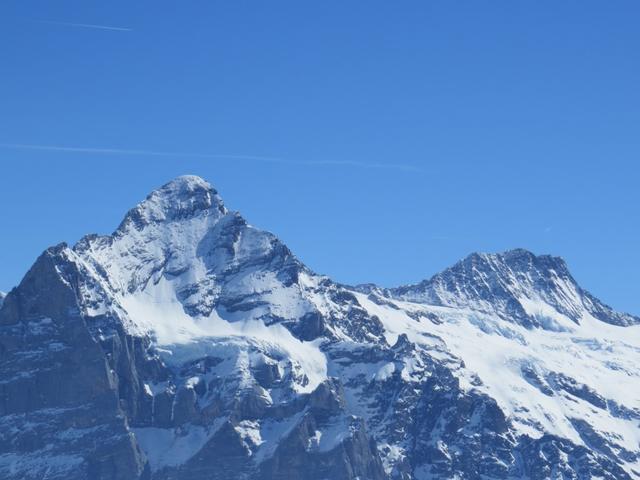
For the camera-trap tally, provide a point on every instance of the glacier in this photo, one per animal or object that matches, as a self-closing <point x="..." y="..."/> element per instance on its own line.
<point x="190" y="344"/>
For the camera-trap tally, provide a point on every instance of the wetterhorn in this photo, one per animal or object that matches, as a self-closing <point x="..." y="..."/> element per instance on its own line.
<point x="190" y="345"/>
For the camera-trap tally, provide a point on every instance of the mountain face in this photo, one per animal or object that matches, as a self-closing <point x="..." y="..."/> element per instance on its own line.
<point x="533" y="291"/>
<point x="191" y="345"/>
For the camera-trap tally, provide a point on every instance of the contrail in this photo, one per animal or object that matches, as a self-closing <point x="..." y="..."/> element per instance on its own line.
<point x="349" y="163"/>
<point x="147" y="153"/>
<point x="258" y="158"/>
<point x="86" y="25"/>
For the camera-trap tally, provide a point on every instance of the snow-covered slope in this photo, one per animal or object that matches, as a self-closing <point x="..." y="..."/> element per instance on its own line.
<point x="579" y="383"/>
<point x="191" y="345"/>
<point x="181" y="268"/>
<point x="2" y="295"/>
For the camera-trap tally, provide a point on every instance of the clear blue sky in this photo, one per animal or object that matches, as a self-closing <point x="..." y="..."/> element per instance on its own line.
<point x="409" y="133"/>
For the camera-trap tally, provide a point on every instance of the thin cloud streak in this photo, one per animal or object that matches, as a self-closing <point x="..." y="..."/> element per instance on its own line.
<point x="348" y="163"/>
<point x="257" y="158"/>
<point x="87" y="25"/>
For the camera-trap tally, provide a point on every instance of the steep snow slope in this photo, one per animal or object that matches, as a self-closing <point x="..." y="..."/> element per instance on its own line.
<point x="181" y="268"/>
<point x="192" y="345"/>
<point x="579" y="383"/>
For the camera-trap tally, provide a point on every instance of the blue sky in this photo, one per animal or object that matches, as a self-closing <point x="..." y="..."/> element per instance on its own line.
<point x="387" y="140"/>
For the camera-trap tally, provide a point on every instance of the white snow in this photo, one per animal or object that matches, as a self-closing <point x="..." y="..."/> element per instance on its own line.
<point x="157" y="311"/>
<point x="385" y="371"/>
<point x="599" y="355"/>
<point x="249" y="431"/>
<point x="334" y="434"/>
<point x="391" y="454"/>
<point x="166" y="447"/>
<point x="272" y="432"/>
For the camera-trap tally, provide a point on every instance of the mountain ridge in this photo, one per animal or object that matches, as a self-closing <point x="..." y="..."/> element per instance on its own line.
<point x="190" y="344"/>
<point x="499" y="274"/>
<point x="189" y="194"/>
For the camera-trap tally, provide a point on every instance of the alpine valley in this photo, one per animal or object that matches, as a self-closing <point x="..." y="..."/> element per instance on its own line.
<point x="190" y="345"/>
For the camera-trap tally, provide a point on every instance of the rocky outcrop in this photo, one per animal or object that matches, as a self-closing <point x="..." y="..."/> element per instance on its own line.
<point x="59" y="406"/>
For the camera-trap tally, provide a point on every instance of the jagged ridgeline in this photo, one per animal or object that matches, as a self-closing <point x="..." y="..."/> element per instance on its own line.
<point x="190" y="345"/>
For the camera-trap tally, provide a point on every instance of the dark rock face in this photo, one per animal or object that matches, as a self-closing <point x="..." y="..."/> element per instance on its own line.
<point x="191" y="346"/>
<point x="59" y="405"/>
<point x="549" y="456"/>
<point x="356" y="457"/>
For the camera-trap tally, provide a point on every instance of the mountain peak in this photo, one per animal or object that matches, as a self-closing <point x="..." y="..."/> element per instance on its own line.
<point x="517" y="285"/>
<point x="183" y="197"/>
<point x="185" y="186"/>
<point x="182" y="247"/>
<point x="518" y="260"/>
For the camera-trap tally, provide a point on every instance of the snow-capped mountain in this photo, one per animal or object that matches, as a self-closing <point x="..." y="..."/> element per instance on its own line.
<point x="191" y="345"/>
<point x="517" y="286"/>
